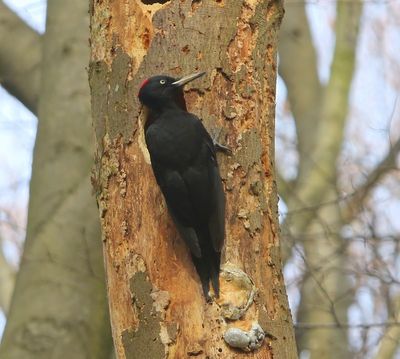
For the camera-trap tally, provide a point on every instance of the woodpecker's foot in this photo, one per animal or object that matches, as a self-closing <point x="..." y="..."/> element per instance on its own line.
<point x="219" y="147"/>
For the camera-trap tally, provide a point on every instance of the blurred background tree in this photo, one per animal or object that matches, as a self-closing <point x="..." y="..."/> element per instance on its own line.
<point x="337" y="149"/>
<point x="337" y="145"/>
<point x="59" y="307"/>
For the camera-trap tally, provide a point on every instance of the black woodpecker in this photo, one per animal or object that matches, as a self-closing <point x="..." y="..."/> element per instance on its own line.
<point x="185" y="166"/>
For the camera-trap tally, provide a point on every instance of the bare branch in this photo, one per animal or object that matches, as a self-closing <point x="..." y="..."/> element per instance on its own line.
<point x="20" y="56"/>
<point x="355" y="203"/>
<point x="346" y="325"/>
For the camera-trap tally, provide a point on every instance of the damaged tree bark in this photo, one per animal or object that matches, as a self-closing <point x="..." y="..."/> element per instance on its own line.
<point x="156" y="303"/>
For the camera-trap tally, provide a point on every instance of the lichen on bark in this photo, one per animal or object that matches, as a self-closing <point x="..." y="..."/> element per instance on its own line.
<point x="144" y="341"/>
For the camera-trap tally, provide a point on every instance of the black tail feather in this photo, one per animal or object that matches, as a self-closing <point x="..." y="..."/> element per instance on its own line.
<point x="214" y="272"/>
<point x="208" y="266"/>
<point x="203" y="271"/>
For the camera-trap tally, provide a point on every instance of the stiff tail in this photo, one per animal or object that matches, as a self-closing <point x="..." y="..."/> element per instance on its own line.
<point x="208" y="266"/>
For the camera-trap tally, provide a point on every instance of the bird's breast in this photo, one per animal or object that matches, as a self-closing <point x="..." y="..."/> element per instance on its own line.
<point x="173" y="142"/>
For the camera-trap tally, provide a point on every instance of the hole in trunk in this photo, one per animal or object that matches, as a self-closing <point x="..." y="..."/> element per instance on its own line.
<point x="196" y="4"/>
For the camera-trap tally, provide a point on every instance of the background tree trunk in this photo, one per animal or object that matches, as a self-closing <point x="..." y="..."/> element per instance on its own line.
<point x="156" y="304"/>
<point x="318" y="209"/>
<point x="325" y="293"/>
<point x="58" y="309"/>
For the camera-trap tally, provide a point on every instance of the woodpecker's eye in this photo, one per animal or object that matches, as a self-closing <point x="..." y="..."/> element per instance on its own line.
<point x="162" y="82"/>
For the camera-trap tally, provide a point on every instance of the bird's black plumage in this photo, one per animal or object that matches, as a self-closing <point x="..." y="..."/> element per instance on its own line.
<point x="185" y="166"/>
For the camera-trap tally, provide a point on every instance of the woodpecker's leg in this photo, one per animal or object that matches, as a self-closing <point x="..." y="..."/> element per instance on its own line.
<point x="219" y="147"/>
<point x="222" y="148"/>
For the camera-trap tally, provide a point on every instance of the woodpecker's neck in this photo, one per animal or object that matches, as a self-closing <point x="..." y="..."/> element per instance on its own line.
<point x="154" y="112"/>
<point x="176" y="102"/>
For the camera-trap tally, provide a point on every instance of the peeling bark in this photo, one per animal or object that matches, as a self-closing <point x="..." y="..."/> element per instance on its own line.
<point x="155" y="297"/>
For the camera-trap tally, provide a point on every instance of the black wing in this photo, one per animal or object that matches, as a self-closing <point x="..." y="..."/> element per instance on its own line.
<point x="216" y="221"/>
<point x="181" y="209"/>
<point x="191" y="184"/>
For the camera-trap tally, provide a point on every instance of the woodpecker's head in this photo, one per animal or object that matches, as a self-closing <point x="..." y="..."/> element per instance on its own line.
<point x="159" y="92"/>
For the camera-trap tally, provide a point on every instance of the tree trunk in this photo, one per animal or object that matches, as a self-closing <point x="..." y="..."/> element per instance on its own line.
<point x="156" y="303"/>
<point x="58" y="309"/>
